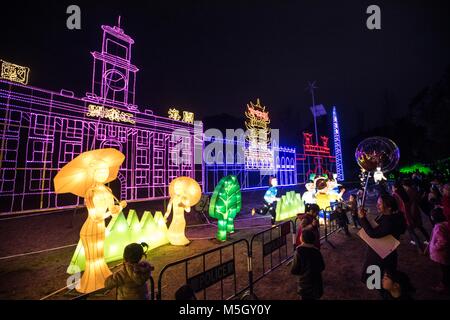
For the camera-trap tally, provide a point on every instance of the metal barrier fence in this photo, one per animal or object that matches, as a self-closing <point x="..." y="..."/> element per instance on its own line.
<point x="273" y="242"/>
<point x="219" y="270"/>
<point x="267" y="250"/>
<point x="222" y="272"/>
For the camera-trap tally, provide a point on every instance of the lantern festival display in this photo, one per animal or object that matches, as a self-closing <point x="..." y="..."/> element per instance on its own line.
<point x="309" y="196"/>
<point x="270" y="197"/>
<point x="289" y="206"/>
<point x="122" y="231"/>
<point x="86" y="176"/>
<point x="184" y="193"/>
<point x="225" y="204"/>
<point x="376" y="156"/>
<point x="325" y="195"/>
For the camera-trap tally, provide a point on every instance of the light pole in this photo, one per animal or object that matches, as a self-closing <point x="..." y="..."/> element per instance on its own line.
<point x="311" y="87"/>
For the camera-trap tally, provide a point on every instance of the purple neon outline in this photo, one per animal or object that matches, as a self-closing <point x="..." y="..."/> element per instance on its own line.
<point x="55" y="110"/>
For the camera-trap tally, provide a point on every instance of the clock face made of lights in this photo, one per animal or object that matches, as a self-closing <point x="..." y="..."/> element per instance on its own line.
<point x="115" y="80"/>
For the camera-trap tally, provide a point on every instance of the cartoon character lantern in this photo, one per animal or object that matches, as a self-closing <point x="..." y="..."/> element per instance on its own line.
<point x="270" y="197"/>
<point x="323" y="196"/>
<point x="184" y="193"/>
<point x="309" y="196"/>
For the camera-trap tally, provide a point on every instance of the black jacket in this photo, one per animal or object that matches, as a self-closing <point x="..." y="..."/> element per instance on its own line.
<point x="308" y="266"/>
<point x="394" y="225"/>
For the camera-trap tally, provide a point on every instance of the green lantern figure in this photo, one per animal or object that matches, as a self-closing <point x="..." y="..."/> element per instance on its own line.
<point x="225" y="204"/>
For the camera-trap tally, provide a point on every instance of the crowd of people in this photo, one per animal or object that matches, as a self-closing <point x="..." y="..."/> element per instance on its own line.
<point x="401" y="208"/>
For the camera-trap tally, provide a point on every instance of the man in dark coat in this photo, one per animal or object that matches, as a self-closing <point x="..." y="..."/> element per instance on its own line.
<point x="390" y="222"/>
<point x="308" y="266"/>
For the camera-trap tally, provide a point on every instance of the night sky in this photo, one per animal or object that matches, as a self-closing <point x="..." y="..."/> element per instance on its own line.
<point x="213" y="57"/>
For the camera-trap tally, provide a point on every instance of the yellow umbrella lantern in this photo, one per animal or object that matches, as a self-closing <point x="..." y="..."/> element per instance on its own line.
<point x="76" y="177"/>
<point x="85" y="176"/>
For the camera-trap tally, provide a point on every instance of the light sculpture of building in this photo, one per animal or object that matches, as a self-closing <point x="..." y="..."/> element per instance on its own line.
<point x="42" y="130"/>
<point x="254" y="159"/>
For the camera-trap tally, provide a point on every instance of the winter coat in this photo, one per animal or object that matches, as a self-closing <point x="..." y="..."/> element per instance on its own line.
<point x="393" y="224"/>
<point x="440" y="244"/>
<point x="130" y="281"/>
<point x="308" y="266"/>
<point x="306" y="221"/>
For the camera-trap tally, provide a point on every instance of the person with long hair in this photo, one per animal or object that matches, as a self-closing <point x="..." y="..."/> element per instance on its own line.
<point x="389" y="222"/>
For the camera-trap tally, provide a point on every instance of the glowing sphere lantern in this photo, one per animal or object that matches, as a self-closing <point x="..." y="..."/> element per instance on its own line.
<point x="376" y="152"/>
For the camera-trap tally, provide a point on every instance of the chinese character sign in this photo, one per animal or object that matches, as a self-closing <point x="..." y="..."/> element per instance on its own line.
<point x="109" y="113"/>
<point x="175" y="114"/>
<point x="14" y="72"/>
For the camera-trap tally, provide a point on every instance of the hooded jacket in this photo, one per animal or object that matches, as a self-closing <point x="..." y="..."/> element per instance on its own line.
<point x="440" y="244"/>
<point x="130" y="281"/>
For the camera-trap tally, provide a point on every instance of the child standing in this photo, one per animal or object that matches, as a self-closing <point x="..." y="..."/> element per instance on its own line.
<point x="308" y="266"/>
<point x="309" y="221"/>
<point x="131" y="280"/>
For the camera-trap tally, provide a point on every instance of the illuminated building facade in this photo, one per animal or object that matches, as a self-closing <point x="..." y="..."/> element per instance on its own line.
<point x="42" y="130"/>
<point x="258" y="153"/>
<point x="254" y="160"/>
<point x="251" y="178"/>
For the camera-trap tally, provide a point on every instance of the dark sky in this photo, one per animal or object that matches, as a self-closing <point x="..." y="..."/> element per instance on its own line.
<point x="214" y="56"/>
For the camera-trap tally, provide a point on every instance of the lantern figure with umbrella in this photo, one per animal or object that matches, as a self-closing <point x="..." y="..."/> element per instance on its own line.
<point x="85" y="176"/>
<point x="185" y="193"/>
